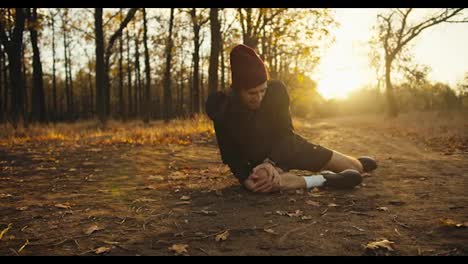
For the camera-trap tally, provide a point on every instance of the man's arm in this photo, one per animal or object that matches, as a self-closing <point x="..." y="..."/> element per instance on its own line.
<point x="230" y="154"/>
<point x="282" y="103"/>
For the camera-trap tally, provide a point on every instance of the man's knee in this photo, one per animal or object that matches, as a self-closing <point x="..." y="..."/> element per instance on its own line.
<point x="340" y="162"/>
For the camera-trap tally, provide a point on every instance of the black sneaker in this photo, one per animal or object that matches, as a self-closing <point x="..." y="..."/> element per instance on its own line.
<point x="346" y="179"/>
<point x="368" y="164"/>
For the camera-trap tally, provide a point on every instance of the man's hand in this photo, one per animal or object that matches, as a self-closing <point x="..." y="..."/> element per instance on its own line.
<point x="264" y="178"/>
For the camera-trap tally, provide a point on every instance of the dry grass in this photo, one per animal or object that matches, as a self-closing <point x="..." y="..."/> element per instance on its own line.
<point x="436" y="129"/>
<point x="182" y="132"/>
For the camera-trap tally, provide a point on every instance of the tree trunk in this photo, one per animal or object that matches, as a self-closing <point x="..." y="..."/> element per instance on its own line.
<point x="147" y="112"/>
<point x="107" y="55"/>
<point x="25" y="105"/>
<point x="17" y="84"/>
<point x="70" y="83"/>
<point x="121" y="77"/>
<point x="137" y="79"/>
<point x="167" y="74"/>
<point x="38" y="100"/>
<point x="223" y="67"/>
<point x="91" y="95"/>
<point x="129" y="80"/>
<point x="392" y="108"/>
<point x="67" y="86"/>
<point x="121" y="101"/>
<point x="196" y="76"/>
<point x="2" y="87"/>
<point x="13" y="48"/>
<point x="4" y="73"/>
<point x="100" y="101"/>
<point x="54" y="80"/>
<point x="215" y="49"/>
<point x="202" y="87"/>
<point x="180" y="94"/>
<point x="191" y="101"/>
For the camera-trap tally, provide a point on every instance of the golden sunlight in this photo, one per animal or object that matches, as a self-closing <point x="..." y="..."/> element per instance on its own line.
<point x="345" y="67"/>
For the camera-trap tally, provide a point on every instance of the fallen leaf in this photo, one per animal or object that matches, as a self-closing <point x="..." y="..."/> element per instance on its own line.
<point x="72" y="169"/>
<point x="315" y="189"/>
<point x="63" y="206"/>
<point x="179" y="248"/>
<point x="223" y="236"/>
<point x="307" y="217"/>
<point x="381" y="244"/>
<point x="183" y="203"/>
<point x="292" y="200"/>
<point x="95" y="149"/>
<point x="295" y="214"/>
<point x="144" y="200"/>
<point x="185" y="198"/>
<point x="313" y="203"/>
<point x="452" y="223"/>
<point x="332" y="205"/>
<point x="22" y="247"/>
<point x="281" y="212"/>
<point x="110" y="242"/>
<point x="177" y="175"/>
<point x="22" y="208"/>
<point x="5" y="230"/>
<point x="358" y="228"/>
<point x="93" y="228"/>
<point x="156" y="177"/>
<point x="397" y="203"/>
<point x="149" y="187"/>
<point x="270" y="231"/>
<point x="383" y="208"/>
<point x="206" y="212"/>
<point x="102" y="250"/>
<point x="5" y="195"/>
<point x="300" y="191"/>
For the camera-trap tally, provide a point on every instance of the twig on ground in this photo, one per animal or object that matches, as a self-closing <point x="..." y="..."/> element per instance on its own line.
<point x="400" y="223"/>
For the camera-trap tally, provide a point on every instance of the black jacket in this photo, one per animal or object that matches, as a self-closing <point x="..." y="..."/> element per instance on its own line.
<point x="245" y="137"/>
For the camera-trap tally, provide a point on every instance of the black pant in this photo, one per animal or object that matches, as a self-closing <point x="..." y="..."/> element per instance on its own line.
<point x="295" y="152"/>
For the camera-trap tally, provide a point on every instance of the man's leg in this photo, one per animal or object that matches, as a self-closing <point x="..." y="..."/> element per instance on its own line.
<point x="340" y="162"/>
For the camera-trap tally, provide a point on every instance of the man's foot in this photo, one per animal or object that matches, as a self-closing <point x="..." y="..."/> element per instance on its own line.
<point x="346" y="179"/>
<point x="368" y="164"/>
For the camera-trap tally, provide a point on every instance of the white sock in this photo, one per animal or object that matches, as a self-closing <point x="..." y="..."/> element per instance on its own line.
<point x="314" y="181"/>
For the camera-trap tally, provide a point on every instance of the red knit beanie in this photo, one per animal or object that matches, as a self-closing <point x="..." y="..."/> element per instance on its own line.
<point x="247" y="68"/>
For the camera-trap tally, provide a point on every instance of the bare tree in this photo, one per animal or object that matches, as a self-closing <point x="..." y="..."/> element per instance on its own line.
<point x="12" y="40"/>
<point x="198" y="20"/>
<point x="37" y="97"/>
<point x="395" y="32"/>
<point x="103" y="53"/>
<point x="167" y="73"/>
<point x="215" y="50"/>
<point x="147" y="99"/>
<point x="253" y="21"/>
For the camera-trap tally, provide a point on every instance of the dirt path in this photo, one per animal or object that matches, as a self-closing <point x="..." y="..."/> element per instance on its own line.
<point x="140" y="200"/>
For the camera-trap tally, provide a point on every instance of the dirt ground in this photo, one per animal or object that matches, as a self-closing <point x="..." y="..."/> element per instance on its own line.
<point x="123" y="199"/>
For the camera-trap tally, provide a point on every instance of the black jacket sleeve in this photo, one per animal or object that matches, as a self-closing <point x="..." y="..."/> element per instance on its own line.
<point x="283" y="113"/>
<point x="230" y="153"/>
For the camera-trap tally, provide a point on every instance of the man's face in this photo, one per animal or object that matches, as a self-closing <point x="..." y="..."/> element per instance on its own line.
<point x="253" y="97"/>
